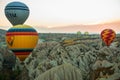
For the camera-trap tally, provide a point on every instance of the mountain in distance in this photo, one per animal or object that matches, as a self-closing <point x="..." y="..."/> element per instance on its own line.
<point x="91" y="28"/>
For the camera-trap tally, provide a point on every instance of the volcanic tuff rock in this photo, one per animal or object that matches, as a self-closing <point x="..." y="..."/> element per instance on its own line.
<point x="62" y="72"/>
<point x="80" y="60"/>
<point x="93" y="61"/>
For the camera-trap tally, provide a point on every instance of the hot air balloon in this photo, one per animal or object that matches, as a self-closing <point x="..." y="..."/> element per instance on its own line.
<point x="108" y="35"/>
<point x="16" y="12"/>
<point x="21" y="39"/>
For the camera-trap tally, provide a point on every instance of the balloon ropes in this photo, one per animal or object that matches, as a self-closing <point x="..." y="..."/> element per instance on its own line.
<point x="108" y="35"/>
<point x="21" y="39"/>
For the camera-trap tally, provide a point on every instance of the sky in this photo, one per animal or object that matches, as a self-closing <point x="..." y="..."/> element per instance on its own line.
<point x="45" y="14"/>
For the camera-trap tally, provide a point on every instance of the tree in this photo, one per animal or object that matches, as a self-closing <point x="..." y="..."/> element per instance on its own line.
<point x="78" y="34"/>
<point x="86" y="34"/>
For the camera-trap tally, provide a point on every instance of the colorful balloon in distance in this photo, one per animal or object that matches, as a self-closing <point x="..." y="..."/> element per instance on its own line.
<point x="21" y="39"/>
<point x="16" y="12"/>
<point x="108" y="35"/>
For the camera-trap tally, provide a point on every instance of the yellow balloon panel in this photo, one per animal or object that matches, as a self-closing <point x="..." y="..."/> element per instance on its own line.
<point x="21" y="41"/>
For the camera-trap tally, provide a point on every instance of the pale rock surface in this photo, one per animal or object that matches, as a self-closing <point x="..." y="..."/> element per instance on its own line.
<point x="94" y="60"/>
<point x="62" y="72"/>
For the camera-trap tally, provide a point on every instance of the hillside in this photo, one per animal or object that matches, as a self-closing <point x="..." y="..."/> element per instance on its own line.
<point x="92" y="59"/>
<point x="2" y="31"/>
<point x="83" y="58"/>
<point x="2" y="35"/>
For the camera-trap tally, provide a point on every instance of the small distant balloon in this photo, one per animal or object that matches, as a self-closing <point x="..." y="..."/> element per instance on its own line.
<point x="16" y="12"/>
<point x="108" y="35"/>
<point x="21" y="39"/>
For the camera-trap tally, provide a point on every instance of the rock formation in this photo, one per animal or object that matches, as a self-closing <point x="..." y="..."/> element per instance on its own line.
<point x="78" y="60"/>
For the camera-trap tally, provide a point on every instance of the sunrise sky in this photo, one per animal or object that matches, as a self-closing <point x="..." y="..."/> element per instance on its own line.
<point x="46" y="15"/>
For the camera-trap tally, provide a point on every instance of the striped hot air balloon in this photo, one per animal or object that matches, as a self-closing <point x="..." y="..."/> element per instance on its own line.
<point x="21" y="39"/>
<point x="16" y="12"/>
<point x="108" y="35"/>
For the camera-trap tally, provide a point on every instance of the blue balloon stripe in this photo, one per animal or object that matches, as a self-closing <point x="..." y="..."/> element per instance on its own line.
<point x="22" y="50"/>
<point x="21" y="30"/>
<point x="22" y="7"/>
<point x="18" y="6"/>
<point x="16" y="9"/>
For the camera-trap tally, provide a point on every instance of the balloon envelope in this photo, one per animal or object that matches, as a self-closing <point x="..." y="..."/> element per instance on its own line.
<point x="108" y="35"/>
<point x="16" y="12"/>
<point x="21" y="39"/>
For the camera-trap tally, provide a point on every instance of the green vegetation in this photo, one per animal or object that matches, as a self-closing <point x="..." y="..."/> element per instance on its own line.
<point x="9" y="74"/>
